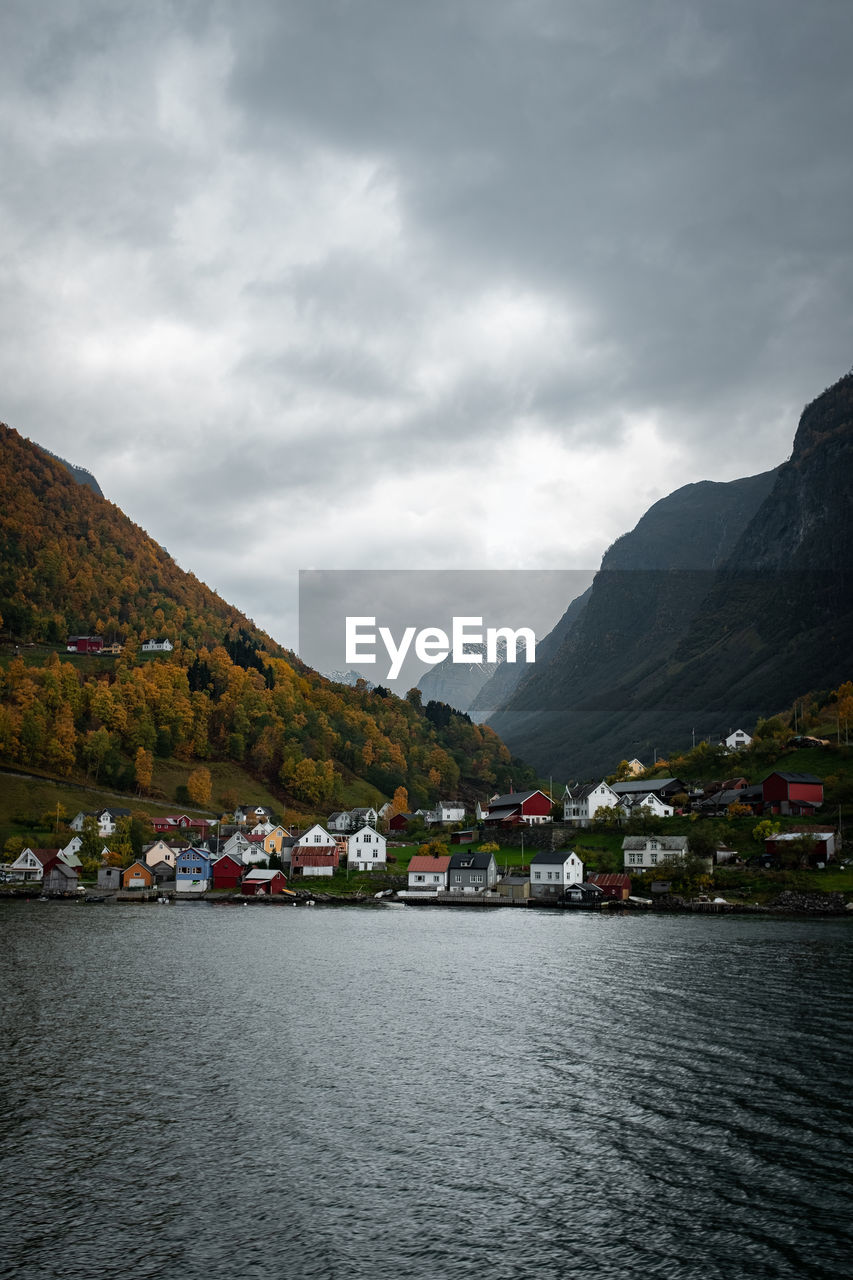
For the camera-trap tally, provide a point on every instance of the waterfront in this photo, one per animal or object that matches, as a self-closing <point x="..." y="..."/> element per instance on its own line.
<point x="192" y="1092"/>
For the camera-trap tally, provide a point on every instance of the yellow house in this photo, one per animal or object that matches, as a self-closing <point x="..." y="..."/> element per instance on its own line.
<point x="273" y="841"/>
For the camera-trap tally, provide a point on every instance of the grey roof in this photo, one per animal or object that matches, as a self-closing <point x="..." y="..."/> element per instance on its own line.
<point x="651" y="784"/>
<point x="512" y="798"/>
<point x="720" y="797"/>
<point x="792" y="777"/>
<point x="552" y="857"/>
<point x="583" y="793"/>
<point x="514" y="880"/>
<point x="471" y="860"/>
<point x="663" y="842"/>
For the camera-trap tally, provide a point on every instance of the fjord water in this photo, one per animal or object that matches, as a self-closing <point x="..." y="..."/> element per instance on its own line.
<point x="199" y="1091"/>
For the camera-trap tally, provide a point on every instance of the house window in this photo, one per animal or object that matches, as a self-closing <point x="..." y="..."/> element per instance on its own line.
<point x="457" y="877"/>
<point x="318" y="839"/>
<point x="367" y="839"/>
<point x="537" y="875"/>
<point x="420" y="878"/>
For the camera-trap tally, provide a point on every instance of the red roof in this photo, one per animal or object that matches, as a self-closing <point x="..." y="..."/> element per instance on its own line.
<point x="314" y="857"/>
<point x="426" y="862"/>
<point x="609" y="879"/>
<point x="229" y="857"/>
<point x="45" y="855"/>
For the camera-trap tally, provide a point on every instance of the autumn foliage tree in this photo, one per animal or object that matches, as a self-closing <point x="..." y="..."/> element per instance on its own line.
<point x="400" y="803"/>
<point x="143" y="768"/>
<point x="199" y="786"/>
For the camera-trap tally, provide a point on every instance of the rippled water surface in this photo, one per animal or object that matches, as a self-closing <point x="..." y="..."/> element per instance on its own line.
<point x="201" y="1091"/>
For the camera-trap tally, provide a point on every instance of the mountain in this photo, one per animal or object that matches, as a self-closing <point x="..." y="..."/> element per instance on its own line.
<point x="73" y="563"/>
<point x="724" y="602"/>
<point x="498" y="689"/>
<point x="460" y="684"/>
<point x="348" y="677"/>
<point x="80" y="474"/>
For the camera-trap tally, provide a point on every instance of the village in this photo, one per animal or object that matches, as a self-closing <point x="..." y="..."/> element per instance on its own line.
<point x="521" y="848"/>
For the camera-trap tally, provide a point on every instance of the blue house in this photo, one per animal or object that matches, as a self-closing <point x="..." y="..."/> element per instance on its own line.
<point x="193" y="871"/>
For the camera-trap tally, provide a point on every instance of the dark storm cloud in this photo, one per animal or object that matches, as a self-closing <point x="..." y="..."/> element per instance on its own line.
<point x="294" y="275"/>
<point x="681" y="168"/>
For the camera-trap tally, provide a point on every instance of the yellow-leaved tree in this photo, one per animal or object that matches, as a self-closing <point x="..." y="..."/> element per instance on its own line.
<point x="199" y="786"/>
<point x="143" y="767"/>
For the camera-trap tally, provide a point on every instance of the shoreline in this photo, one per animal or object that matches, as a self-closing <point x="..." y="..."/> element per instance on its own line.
<point x="788" y="903"/>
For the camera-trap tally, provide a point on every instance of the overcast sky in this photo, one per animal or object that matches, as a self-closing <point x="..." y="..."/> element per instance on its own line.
<point x="386" y="284"/>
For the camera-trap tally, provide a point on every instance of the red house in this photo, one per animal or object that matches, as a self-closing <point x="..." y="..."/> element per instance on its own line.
<point x="181" y="822"/>
<point x="227" y="872"/>
<point x="261" y="881"/>
<point x="84" y="644"/>
<point x="400" y="821"/>
<point x="520" y="806"/>
<point x="612" y="884"/>
<point x="794" y="793"/>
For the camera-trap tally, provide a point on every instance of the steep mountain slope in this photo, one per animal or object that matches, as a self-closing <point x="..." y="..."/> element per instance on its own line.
<point x="723" y="602"/>
<point x="71" y="562"/>
<point x="574" y="711"/>
<point x="80" y="474"/>
<point x="498" y="689"/>
<point x="458" y="683"/>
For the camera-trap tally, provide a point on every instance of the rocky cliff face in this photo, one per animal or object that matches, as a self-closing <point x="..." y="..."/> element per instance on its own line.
<point x="456" y="683"/>
<point x="806" y="523"/>
<point x="725" y="602"/>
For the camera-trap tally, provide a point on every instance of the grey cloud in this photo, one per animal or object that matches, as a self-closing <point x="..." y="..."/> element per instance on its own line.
<point x="672" y="176"/>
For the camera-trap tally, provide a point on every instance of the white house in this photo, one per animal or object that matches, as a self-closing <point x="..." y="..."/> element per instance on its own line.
<point x="339" y="822"/>
<point x="554" y="870"/>
<point x="737" y="740"/>
<point x="642" y="853"/>
<point x="581" y="805"/>
<point x="315" y="853"/>
<point x="26" y="866"/>
<point x="445" y="812"/>
<point x="157" y="646"/>
<point x="251" y="814"/>
<point x="428" y="873"/>
<point x="107" y="820"/>
<point x="651" y="803"/>
<point x="238" y="846"/>
<point x="366" y="850"/>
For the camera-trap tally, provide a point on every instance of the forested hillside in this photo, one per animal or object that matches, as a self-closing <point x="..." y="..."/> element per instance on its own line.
<point x="71" y="562"/>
